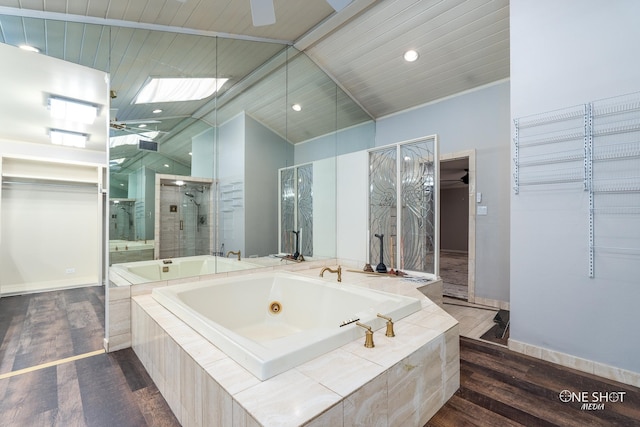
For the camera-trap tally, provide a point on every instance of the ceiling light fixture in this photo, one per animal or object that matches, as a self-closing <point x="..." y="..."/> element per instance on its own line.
<point x="142" y="125"/>
<point x="296" y="107"/>
<point x="410" y="55"/>
<point x="69" y="139"/>
<point x="175" y="89"/>
<point x="72" y="111"/>
<point x="157" y="111"/>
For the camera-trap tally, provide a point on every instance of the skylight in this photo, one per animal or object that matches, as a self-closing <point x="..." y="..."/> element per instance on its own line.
<point x="175" y="89"/>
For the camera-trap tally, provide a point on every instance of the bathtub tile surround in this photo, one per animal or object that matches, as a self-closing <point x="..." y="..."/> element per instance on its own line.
<point x="402" y="381"/>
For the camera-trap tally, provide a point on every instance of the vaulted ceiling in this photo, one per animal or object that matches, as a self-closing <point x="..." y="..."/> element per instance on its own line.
<point x="462" y="44"/>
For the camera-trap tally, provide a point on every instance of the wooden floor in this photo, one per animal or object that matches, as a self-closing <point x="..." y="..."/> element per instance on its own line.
<point x="454" y="271"/>
<point x="48" y="326"/>
<point x="499" y="387"/>
<point x="38" y="388"/>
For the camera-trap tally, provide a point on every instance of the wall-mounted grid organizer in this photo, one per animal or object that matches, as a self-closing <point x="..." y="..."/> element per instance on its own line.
<point x="599" y="144"/>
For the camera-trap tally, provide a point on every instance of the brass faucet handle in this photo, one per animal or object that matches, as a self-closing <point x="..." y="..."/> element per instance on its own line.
<point x="368" y="338"/>
<point x="389" y="332"/>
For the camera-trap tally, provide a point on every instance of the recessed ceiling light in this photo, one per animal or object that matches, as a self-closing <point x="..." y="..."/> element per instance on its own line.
<point x="410" y="55"/>
<point x="142" y="125"/>
<point x="175" y="89"/>
<point x="158" y="111"/>
<point x="166" y="165"/>
<point x="29" y="48"/>
<point x="296" y="107"/>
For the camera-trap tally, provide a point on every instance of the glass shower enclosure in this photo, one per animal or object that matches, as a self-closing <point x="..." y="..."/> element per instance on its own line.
<point x="403" y="206"/>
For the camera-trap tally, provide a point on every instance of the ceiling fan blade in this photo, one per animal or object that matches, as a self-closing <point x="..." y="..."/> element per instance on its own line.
<point x="338" y="5"/>
<point x="262" y="12"/>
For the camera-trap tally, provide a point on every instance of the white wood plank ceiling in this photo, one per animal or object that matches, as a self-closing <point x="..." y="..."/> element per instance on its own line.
<point x="462" y="44"/>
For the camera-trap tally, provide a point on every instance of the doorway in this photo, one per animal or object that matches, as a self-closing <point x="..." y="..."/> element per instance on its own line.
<point x="457" y="225"/>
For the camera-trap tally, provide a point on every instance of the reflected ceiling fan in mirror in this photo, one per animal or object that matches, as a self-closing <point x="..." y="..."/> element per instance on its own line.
<point x="263" y="11"/>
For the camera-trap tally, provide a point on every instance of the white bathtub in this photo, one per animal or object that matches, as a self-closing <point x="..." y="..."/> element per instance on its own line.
<point x="177" y="268"/>
<point x="234" y="314"/>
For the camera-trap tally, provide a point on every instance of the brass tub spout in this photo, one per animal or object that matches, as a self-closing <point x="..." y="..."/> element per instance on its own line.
<point x="368" y="338"/>
<point x="389" y="332"/>
<point x="234" y="253"/>
<point x="337" y="270"/>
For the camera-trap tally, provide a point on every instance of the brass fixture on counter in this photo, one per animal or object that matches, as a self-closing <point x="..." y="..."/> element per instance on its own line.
<point x="337" y="270"/>
<point x="234" y="253"/>
<point x="389" y="332"/>
<point x="368" y="338"/>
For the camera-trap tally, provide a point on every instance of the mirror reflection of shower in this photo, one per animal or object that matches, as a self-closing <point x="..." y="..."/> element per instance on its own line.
<point x="121" y="220"/>
<point x="185" y="217"/>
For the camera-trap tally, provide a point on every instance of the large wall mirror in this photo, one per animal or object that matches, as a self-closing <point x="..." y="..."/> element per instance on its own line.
<point x="248" y="169"/>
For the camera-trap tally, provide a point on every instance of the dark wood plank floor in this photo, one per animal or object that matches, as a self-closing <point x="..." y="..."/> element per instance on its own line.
<point x="101" y="390"/>
<point x="499" y="387"/>
<point x="48" y="326"/>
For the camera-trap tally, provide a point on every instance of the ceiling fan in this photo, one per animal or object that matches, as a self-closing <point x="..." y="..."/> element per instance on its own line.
<point x="463" y="179"/>
<point x="263" y="12"/>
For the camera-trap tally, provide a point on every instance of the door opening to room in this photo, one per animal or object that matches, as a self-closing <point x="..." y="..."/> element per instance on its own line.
<point x="456" y="250"/>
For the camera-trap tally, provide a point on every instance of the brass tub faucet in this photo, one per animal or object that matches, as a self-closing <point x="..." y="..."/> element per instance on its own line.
<point x="389" y="332"/>
<point x="234" y="253"/>
<point x="337" y="270"/>
<point x="368" y="338"/>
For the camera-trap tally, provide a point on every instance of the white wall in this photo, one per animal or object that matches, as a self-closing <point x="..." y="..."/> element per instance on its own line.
<point x="565" y="54"/>
<point x="477" y="120"/>
<point x="352" y="199"/>
<point x="324" y="208"/>
<point x="50" y="235"/>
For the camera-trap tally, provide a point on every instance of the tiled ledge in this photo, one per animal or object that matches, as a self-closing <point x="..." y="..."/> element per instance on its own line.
<point x="578" y="363"/>
<point x="402" y="381"/>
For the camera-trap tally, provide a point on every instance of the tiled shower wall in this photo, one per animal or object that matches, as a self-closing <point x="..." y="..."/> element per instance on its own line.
<point x="194" y="237"/>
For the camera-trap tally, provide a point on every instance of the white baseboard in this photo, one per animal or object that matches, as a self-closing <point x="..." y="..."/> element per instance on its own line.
<point x="578" y="363"/>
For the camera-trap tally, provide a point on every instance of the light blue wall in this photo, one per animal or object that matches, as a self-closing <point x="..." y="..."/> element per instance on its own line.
<point x="565" y="54"/>
<point x="231" y="168"/>
<point x="349" y="140"/>
<point x="477" y="120"/>
<point x="203" y="154"/>
<point x="266" y="152"/>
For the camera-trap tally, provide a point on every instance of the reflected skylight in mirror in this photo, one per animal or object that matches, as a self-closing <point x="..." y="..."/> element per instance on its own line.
<point x="177" y="89"/>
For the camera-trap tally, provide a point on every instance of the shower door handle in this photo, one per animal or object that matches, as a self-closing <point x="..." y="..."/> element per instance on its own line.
<point x="181" y="225"/>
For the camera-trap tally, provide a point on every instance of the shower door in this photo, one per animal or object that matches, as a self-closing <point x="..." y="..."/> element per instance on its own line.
<point x="296" y="210"/>
<point x="185" y="226"/>
<point x="403" y="206"/>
